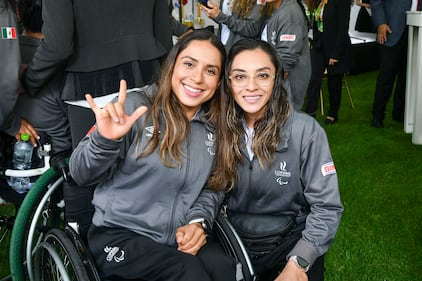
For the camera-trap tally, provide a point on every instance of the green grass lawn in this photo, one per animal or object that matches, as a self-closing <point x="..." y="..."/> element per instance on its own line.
<point x="380" y="177"/>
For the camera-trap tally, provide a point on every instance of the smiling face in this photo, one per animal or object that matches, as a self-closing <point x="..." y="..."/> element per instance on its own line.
<point x="253" y="66"/>
<point x="196" y="75"/>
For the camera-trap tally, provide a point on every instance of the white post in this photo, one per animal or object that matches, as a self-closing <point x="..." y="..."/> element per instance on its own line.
<point x="413" y="106"/>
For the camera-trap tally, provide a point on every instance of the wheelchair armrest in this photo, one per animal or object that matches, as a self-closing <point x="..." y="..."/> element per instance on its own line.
<point x="60" y="163"/>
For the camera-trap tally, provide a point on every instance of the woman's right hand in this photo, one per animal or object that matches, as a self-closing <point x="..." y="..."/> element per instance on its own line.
<point x="112" y="122"/>
<point x="292" y="272"/>
<point x="212" y="11"/>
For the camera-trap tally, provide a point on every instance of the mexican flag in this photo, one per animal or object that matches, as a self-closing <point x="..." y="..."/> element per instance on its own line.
<point x="8" y="33"/>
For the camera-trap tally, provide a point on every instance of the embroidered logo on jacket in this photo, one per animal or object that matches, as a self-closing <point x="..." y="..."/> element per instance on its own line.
<point x="328" y="169"/>
<point x="282" y="174"/>
<point x="112" y="254"/>
<point x="149" y="131"/>
<point x="273" y="38"/>
<point x="210" y="144"/>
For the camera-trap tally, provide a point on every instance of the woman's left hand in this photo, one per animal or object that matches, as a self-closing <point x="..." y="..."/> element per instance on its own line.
<point x="190" y="238"/>
<point x="292" y="272"/>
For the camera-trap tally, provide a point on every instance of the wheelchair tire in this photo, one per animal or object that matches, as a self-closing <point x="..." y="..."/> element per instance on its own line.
<point x="84" y="254"/>
<point x="38" y="213"/>
<point x="56" y="258"/>
<point x="233" y="246"/>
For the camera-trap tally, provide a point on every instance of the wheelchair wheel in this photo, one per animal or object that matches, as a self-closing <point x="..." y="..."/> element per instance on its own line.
<point x="232" y="244"/>
<point x="40" y="211"/>
<point x="84" y="254"/>
<point x="56" y="258"/>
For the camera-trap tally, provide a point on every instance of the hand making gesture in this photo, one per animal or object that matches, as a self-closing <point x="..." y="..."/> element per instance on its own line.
<point x="112" y="121"/>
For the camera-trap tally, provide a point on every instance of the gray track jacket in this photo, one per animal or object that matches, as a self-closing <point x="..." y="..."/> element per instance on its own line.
<point x="301" y="181"/>
<point x="10" y="62"/>
<point x="250" y="27"/>
<point x="143" y="194"/>
<point x="287" y="32"/>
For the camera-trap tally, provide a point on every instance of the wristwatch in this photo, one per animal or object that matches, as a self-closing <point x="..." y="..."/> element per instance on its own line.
<point x="300" y="262"/>
<point x="203" y="224"/>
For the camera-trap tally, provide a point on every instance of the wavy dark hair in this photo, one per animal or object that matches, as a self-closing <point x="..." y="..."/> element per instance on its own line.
<point x="267" y="129"/>
<point x="166" y="108"/>
<point x="29" y="12"/>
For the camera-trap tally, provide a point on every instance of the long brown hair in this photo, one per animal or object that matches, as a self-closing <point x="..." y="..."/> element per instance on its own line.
<point x="166" y="109"/>
<point x="267" y="129"/>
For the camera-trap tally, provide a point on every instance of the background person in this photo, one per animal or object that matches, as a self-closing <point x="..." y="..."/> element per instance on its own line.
<point x="152" y="172"/>
<point x="284" y="203"/>
<point x="46" y="111"/>
<point x="330" y="51"/>
<point x="95" y="48"/>
<point x="287" y="31"/>
<point x="236" y="19"/>
<point x="389" y="17"/>
<point x="10" y="122"/>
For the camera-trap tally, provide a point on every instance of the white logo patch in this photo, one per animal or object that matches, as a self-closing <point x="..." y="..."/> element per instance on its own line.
<point x="149" y="131"/>
<point x="273" y="38"/>
<point x="112" y="254"/>
<point x="282" y="174"/>
<point x="210" y="144"/>
<point x="328" y="169"/>
<point x="287" y="37"/>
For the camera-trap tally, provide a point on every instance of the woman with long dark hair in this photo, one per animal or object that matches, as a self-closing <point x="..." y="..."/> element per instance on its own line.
<point x="284" y="199"/>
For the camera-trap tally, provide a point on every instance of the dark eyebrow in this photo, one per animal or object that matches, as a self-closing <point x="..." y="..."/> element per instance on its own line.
<point x="258" y="70"/>
<point x="195" y="60"/>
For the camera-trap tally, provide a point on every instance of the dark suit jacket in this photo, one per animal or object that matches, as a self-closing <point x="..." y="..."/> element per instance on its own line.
<point x="334" y="41"/>
<point x="393" y="13"/>
<point x="89" y="36"/>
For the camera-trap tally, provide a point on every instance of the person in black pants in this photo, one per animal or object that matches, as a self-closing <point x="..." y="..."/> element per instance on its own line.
<point x="390" y="19"/>
<point x="331" y="51"/>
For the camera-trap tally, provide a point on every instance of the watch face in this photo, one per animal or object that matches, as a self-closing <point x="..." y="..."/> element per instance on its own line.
<point x="303" y="263"/>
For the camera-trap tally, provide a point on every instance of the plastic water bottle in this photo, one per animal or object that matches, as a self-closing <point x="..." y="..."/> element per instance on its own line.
<point x="22" y="160"/>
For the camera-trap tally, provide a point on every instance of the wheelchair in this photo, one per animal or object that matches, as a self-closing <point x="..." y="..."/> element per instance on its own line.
<point x="57" y="232"/>
<point x="34" y="212"/>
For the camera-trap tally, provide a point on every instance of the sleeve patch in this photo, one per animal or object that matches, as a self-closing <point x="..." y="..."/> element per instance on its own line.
<point x="288" y="37"/>
<point x="328" y="169"/>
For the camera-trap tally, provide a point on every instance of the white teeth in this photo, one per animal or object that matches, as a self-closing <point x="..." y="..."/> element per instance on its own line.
<point x="253" y="98"/>
<point x="192" y="89"/>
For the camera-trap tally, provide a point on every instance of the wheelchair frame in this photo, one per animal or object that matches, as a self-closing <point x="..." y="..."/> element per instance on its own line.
<point x="31" y="211"/>
<point x="41" y="210"/>
<point x="54" y="245"/>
